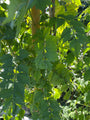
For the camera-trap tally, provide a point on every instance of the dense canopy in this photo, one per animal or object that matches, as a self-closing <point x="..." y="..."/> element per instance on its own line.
<point x="45" y="59"/>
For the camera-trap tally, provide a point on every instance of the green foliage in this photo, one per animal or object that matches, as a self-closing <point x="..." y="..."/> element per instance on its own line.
<point x="66" y="34"/>
<point x="87" y="75"/>
<point x="75" y="47"/>
<point x="51" y="49"/>
<point x="42" y="4"/>
<point x="60" y="75"/>
<point x="13" y="76"/>
<point x="46" y="52"/>
<point x="51" y="75"/>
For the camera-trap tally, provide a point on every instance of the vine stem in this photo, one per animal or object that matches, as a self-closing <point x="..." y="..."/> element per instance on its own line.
<point x="35" y="20"/>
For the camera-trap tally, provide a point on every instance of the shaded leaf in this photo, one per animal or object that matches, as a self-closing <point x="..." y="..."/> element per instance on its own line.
<point x="22" y="54"/>
<point x="3" y="93"/>
<point x="87" y="75"/>
<point x="42" y="4"/>
<point x="18" y="93"/>
<point x="66" y="35"/>
<point x="12" y="8"/>
<point x="23" y="78"/>
<point x="51" y="48"/>
<point x="60" y="22"/>
<point x="88" y="97"/>
<point x="70" y="58"/>
<point x="75" y="47"/>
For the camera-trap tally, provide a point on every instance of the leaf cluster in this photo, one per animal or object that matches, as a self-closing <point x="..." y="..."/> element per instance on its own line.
<point x="49" y="76"/>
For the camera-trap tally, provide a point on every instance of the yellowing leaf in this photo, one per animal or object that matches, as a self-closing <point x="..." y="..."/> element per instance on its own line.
<point x="57" y="93"/>
<point x="60" y="9"/>
<point x="77" y="2"/>
<point x="61" y="28"/>
<point x="72" y="8"/>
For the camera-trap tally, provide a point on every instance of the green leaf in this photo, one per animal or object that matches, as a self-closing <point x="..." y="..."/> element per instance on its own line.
<point x="7" y="59"/>
<point x="51" y="48"/>
<point x="82" y="38"/>
<point x="31" y="3"/>
<point x="66" y="35"/>
<point x="42" y="4"/>
<point x="38" y="96"/>
<point x="7" y="103"/>
<point x="55" y="109"/>
<point x="41" y="62"/>
<point x="87" y="60"/>
<point x="60" y="22"/>
<point x="67" y="17"/>
<point x="60" y="76"/>
<point x="12" y="8"/>
<point x="20" y="18"/>
<point x="15" y="108"/>
<point x="88" y="53"/>
<point x="44" y="113"/>
<point x="75" y="47"/>
<point x="78" y="26"/>
<point x="24" y="69"/>
<point x="6" y="93"/>
<point x="2" y="13"/>
<point x="6" y="76"/>
<point x="67" y="95"/>
<point x="4" y="5"/>
<point x="35" y="115"/>
<point x="52" y="21"/>
<point x="70" y="58"/>
<point x="88" y="96"/>
<point x="19" y="6"/>
<point x="37" y="75"/>
<point x="23" y="78"/>
<point x="22" y="54"/>
<point x="53" y="68"/>
<point x="57" y="80"/>
<point x="18" y="93"/>
<point x="1" y="20"/>
<point x="8" y="68"/>
<point x="21" y="113"/>
<point x="9" y="34"/>
<point x="87" y="75"/>
<point x="62" y="71"/>
<point x="6" y="83"/>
